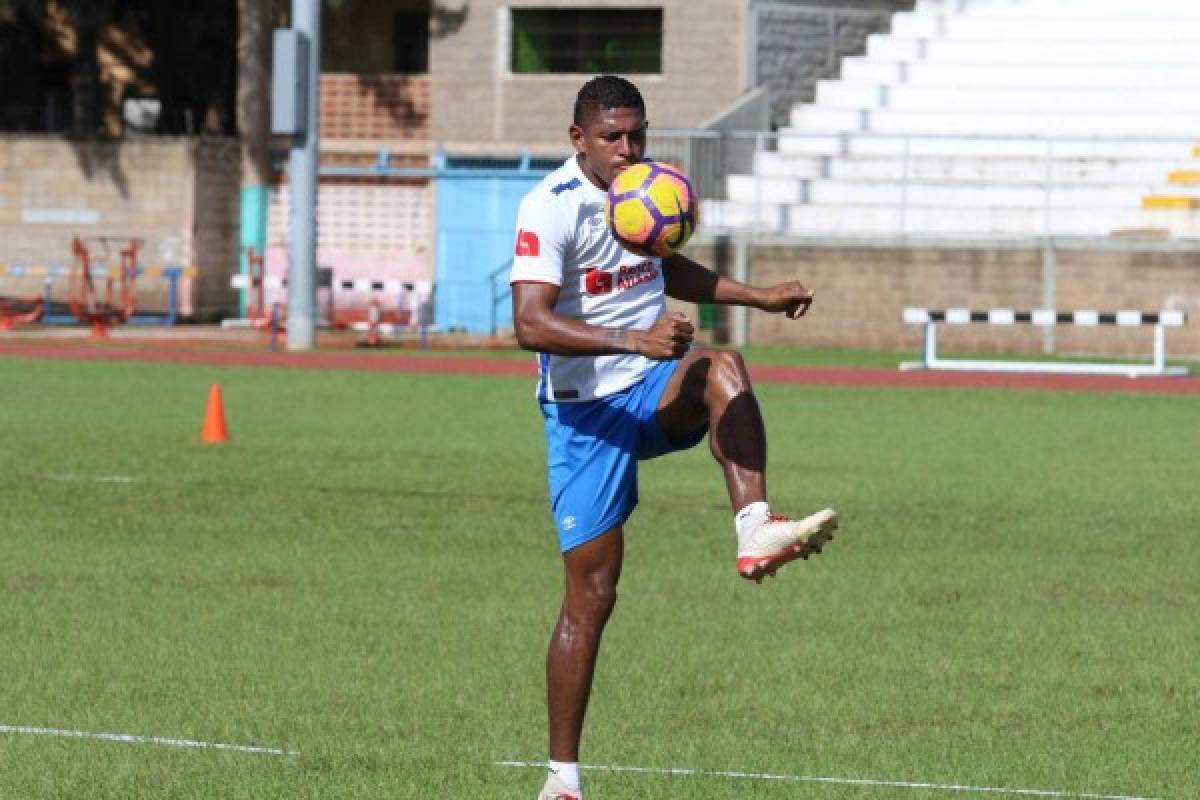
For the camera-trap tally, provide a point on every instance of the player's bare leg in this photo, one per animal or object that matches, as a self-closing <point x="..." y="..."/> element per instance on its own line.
<point x="713" y="387"/>
<point x="592" y="572"/>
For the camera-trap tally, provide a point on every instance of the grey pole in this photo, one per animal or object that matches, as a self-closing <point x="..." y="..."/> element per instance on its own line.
<point x="738" y="332"/>
<point x="1049" y="290"/>
<point x="302" y="182"/>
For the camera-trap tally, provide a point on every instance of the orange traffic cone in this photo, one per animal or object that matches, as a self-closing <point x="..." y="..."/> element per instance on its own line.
<point x="214" y="430"/>
<point x="100" y="328"/>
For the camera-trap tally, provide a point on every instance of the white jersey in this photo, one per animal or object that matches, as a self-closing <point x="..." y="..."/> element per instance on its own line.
<point x="562" y="238"/>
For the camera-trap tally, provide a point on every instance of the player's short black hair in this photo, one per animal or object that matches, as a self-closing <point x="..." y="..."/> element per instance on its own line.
<point x="604" y="92"/>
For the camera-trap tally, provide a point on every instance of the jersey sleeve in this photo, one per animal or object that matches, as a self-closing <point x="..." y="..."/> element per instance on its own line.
<point x="541" y="244"/>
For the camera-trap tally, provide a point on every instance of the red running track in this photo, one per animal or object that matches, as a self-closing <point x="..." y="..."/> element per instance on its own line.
<point x="463" y="365"/>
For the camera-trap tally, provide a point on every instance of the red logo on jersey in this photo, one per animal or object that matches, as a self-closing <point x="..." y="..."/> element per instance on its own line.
<point x="528" y="244"/>
<point x="597" y="281"/>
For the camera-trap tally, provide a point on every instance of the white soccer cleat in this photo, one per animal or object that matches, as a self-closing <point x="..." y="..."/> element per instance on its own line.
<point x="556" y="789"/>
<point x="777" y="540"/>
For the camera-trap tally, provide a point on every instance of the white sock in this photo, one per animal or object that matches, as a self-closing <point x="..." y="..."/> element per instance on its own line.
<point x="750" y="516"/>
<point x="567" y="772"/>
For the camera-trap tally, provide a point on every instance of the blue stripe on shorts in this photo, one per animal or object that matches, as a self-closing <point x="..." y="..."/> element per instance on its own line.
<point x="592" y="452"/>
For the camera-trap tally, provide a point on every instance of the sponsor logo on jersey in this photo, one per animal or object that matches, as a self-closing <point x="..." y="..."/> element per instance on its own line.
<point x="597" y="281"/>
<point x="528" y="244"/>
<point x="633" y="274"/>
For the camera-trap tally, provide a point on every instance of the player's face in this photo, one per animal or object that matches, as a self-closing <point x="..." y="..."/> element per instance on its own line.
<point x="610" y="139"/>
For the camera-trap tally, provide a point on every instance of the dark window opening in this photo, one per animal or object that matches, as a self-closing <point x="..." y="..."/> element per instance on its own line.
<point x="586" y="41"/>
<point x="411" y="43"/>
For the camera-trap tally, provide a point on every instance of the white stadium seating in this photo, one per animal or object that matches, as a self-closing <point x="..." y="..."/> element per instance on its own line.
<point x="993" y="118"/>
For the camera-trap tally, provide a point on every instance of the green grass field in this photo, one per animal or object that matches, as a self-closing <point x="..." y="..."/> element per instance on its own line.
<point x="367" y="575"/>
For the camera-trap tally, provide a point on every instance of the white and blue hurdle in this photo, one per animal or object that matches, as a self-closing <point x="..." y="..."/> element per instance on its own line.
<point x="1161" y="320"/>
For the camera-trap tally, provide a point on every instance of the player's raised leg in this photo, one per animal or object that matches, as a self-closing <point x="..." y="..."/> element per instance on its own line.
<point x="712" y="387"/>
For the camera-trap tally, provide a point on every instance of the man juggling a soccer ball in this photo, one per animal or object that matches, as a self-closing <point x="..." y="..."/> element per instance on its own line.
<point x="620" y="381"/>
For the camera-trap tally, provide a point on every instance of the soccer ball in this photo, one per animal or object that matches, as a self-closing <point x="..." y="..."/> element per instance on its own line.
<point x="651" y="208"/>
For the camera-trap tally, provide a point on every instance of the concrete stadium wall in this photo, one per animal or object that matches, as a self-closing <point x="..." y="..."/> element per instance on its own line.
<point x="180" y="195"/>
<point x="861" y="292"/>
<point x="477" y="103"/>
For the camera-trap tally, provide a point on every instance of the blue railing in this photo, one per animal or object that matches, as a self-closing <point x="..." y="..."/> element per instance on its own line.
<point x="500" y="291"/>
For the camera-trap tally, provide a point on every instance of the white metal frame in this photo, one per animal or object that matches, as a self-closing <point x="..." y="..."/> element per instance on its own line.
<point x="1043" y="317"/>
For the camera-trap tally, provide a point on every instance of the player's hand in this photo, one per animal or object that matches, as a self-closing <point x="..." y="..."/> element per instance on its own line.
<point x="792" y="298"/>
<point x="667" y="338"/>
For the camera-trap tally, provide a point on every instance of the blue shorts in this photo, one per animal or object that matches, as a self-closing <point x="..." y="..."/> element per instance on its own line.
<point x="592" y="452"/>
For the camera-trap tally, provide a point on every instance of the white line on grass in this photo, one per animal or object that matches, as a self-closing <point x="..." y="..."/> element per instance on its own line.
<point x="949" y="787"/>
<point x="125" y="737"/>
<point x="93" y="479"/>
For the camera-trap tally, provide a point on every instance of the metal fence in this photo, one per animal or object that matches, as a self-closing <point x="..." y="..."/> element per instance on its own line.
<point x="705" y="156"/>
<point x="871" y="185"/>
<point x="1040" y="189"/>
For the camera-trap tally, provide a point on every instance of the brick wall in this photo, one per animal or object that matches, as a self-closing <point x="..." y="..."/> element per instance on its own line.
<point x="375" y="107"/>
<point x="180" y="195"/>
<point x="862" y="291"/>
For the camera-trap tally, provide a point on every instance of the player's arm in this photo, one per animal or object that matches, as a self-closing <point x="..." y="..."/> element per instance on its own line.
<point x="541" y="329"/>
<point x="694" y="283"/>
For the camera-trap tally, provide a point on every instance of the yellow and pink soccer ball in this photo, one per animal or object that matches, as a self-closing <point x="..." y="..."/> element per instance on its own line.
<point x="651" y="208"/>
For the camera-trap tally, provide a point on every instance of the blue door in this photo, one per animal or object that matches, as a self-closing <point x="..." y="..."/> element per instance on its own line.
<point x="477" y="202"/>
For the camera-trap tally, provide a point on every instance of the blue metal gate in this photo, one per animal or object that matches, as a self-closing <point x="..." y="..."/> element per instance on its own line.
<point x="477" y="201"/>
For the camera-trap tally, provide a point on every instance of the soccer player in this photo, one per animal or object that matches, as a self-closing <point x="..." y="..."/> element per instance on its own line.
<point x="621" y="381"/>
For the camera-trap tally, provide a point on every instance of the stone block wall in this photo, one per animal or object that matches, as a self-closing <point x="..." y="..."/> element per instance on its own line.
<point x="861" y="292"/>
<point x="180" y="195"/>
<point x="215" y="227"/>
<point x="798" y="43"/>
<point x="478" y="104"/>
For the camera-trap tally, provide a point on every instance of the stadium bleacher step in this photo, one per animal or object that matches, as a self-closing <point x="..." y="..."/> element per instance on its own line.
<point x="1184" y="176"/>
<point x="994" y="51"/>
<point x="1034" y="9"/>
<point x="846" y="95"/>
<point x="1061" y="27"/>
<point x="1171" y="201"/>
<point x="994" y="117"/>
<point x="1030" y="75"/>
<point x="824" y="120"/>
<point x="944" y="221"/>
<point x="800" y="142"/>
<point x="1018" y="169"/>
<point x="749" y="189"/>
